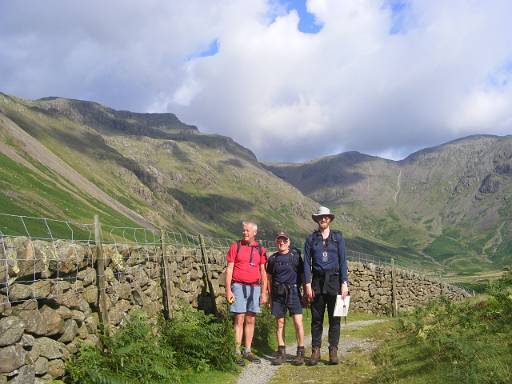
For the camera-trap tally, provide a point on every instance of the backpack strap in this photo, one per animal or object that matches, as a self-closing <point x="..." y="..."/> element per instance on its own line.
<point x="310" y="240"/>
<point x="258" y="247"/>
<point x="337" y="236"/>
<point x="294" y="256"/>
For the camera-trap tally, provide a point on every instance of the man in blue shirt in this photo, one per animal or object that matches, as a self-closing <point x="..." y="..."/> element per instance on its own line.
<point x="326" y="276"/>
<point x="284" y="272"/>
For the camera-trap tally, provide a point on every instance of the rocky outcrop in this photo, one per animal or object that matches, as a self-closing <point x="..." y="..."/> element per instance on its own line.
<point x="490" y="184"/>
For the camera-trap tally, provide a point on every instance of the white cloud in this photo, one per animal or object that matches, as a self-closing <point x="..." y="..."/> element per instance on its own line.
<point x="364" y="82"/>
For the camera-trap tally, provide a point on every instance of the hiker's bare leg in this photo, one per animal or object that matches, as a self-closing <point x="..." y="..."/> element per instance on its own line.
<point x="280" y="330"/>
<point x="299" y="329"/>
<point x="238" y="326"/>
<point x="250" y="321"/>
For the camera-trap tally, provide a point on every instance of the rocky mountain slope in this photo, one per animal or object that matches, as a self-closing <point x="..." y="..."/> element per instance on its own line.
<point x="71" y="159"/>
<point x="452" y="203"/>
<point x="445" y="207"/>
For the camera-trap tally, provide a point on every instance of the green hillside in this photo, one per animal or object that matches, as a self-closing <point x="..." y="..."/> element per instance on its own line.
<point x="443" y="209"/>
<point x="68" y="159"/>
<point x="450" y="204"/>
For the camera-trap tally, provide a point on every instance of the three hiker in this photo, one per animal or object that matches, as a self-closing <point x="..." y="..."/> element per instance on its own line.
<point x="323" y="270"/>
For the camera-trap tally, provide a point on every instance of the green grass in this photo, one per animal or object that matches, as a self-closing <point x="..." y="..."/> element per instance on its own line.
<point x="466" y="342"/>
<point x="24" y="192"/>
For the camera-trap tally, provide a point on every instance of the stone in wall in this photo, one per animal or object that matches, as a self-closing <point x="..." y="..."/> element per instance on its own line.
<point x="11" y="330"/>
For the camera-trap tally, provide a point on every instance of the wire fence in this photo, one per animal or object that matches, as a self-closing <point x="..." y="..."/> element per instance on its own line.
<point x="48" y="229"/>
<point x="63" y="260"/>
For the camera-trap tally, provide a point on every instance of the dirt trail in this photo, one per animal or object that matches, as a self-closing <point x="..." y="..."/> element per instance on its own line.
<point x="262" y="373"/>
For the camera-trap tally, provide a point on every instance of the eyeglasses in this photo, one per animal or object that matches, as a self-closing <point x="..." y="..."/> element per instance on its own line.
<point x="281" y="241"/>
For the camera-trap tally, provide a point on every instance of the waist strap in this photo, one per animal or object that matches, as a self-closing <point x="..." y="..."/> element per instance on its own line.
<point x="255" y="284"/>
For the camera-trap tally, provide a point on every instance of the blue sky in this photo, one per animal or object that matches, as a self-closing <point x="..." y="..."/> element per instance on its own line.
<point x="384" y="77"/>
<point x="307" y="23"/>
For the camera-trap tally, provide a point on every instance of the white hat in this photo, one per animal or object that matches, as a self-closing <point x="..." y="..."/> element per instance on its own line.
<point x="322" y="211"/>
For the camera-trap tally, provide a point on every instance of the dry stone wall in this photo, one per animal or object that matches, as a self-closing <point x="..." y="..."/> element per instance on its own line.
<point x="49" y="296"/>
<point x="371" y="288"/>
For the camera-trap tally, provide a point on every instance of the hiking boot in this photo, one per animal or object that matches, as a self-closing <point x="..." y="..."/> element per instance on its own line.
<point x="299" y="359"/>
<point x="333" y="355"/>
<point x="252" y="358"/>
<point x="239" y="360"/>
<point x="315" y="356"/>
<point x="281" y="356"/>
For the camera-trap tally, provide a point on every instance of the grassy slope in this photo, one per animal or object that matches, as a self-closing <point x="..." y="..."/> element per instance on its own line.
<point x="452" y="343"/>
<point x="25" y="193"/>
<point x="181" y="184"/>
<point x="215" y="187"/>
<point x="444" y="342"/>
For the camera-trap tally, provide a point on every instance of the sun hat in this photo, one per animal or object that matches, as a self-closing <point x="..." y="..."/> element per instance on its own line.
<point x="322" y="211"/>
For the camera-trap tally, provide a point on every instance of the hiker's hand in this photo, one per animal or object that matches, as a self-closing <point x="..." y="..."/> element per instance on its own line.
<point x="230" y="297"/>
<point x="344" y="290"/>
<point x="309" y="292"/>
<point x="263" y="298"/>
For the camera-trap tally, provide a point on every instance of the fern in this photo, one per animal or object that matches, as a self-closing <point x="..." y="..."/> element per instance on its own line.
<point x="134" y="354"/>
<point x="201" y="341"/>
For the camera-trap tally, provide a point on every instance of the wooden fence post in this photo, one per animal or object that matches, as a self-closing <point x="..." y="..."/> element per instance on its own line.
<point x="167" y="276"/>
<point x="394" y="308"/>
<point x="206" y="274"/>
<point x="100" y="275"/>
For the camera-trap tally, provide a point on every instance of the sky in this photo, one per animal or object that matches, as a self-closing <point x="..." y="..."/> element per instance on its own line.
<point x="290" y="80"/>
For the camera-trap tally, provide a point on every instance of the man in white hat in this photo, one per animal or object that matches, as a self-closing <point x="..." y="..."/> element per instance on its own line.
<point x="326" y="276"/>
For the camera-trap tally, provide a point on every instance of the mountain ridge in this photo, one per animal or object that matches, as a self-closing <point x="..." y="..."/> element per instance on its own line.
<point x="445" y="201"/>
<point x="445" y="206"/>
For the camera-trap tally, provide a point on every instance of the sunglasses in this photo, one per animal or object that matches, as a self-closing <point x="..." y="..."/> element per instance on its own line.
<point x="281" y="241"/>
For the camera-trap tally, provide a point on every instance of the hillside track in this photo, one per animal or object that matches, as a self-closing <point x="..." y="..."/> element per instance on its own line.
<point x="263" y="373"/>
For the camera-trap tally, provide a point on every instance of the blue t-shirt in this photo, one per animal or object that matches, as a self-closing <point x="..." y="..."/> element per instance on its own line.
<point x="285" y="268"/>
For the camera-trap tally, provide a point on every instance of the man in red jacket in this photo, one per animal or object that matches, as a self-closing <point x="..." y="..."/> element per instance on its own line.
<point x="246" y="287"/>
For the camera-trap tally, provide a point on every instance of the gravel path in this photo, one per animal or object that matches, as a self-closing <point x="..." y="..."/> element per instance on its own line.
<point x="262" y="373"/>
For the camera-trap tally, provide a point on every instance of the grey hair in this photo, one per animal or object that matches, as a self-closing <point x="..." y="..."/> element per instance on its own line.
<point x="251" y="224"/>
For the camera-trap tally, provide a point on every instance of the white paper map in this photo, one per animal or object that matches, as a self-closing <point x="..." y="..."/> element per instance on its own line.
<point x="341" y="307"/>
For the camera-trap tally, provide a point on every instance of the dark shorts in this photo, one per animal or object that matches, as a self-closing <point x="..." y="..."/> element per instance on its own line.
<point x="292" y="303"/>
